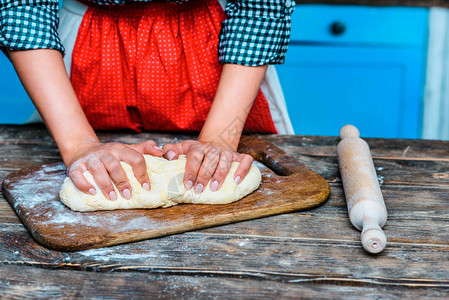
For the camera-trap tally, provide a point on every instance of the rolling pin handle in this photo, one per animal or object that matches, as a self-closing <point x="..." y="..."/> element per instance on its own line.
<point x="349" y="131"/>
<point x="373" y="239"/>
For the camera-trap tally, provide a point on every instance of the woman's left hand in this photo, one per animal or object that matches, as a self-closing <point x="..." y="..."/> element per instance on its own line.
<point x="208" y="161"/>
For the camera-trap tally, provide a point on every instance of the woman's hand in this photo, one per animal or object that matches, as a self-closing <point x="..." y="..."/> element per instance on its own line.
<point x="103" y="162"/>
<point x="210" y="157"/>
<point x="45" y="78"/>
<point x="208" y="161"/>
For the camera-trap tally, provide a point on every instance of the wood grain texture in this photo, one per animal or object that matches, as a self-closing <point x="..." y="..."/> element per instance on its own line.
<point x="315" y="253"/>
<point x="36" y="283"/>
<point x="34" y="195"/>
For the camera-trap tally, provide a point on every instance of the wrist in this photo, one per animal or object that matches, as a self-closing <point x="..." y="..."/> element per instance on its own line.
<point x="69" y="150"/>
<point x="237" y="89"/>
<point x="226" y="140"/>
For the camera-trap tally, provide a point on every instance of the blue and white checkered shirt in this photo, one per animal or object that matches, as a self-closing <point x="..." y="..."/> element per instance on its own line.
<point x="256" y="32"/>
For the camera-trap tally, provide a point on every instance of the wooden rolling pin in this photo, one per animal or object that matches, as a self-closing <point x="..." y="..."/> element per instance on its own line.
<point x="366" y="206"/>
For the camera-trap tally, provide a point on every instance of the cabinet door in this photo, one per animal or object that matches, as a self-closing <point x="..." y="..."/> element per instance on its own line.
<point x="370" y="73"/>
<point x="379" y="90"/>
<point x="16" y="106"/>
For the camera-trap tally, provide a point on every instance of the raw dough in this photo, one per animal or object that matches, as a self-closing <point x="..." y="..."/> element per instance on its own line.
<point x="167" y="188"/>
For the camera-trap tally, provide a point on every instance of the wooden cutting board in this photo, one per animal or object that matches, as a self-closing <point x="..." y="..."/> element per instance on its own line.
<point x="287" y="186"/>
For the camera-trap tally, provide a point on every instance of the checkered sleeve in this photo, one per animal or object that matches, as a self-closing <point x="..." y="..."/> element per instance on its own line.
<point x="256" y="32"/>
<point x="29" y="24"/>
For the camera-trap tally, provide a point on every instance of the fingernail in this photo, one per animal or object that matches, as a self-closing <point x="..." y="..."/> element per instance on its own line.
<point x="198" y="188"/>
<point x="127" y="194"/>
<point x="157" y="148"/>
<point x="237" y="180"/>
<point x="214" y="185"/>
<point x="189" y="185"/>
<point x="92" y="191"/>
<point x="112" y="196"/>
<point x="170" y="155"/>
<point x="146" y="186"/>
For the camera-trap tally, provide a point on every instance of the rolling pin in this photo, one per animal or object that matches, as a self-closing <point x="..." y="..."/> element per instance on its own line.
<point x="366" y="206"/>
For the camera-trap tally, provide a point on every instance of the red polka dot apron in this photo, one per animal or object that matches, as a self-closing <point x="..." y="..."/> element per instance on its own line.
<point x="153" y="66"/>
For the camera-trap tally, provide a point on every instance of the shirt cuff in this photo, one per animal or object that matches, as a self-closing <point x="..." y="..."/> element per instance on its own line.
<point x="25" y="27"/>
<point x="253" y="39"/>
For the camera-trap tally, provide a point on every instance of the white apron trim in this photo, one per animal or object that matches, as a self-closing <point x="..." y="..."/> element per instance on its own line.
<point x="271" y="88"/>
<point x="70" y="17"/>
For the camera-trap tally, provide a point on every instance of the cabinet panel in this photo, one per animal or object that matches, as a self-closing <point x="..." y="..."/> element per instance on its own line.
<point x="377" y="90"/>
<point x="16" y="106"/>
<point x="399" y="26"/>
<point x="371" y="76"/>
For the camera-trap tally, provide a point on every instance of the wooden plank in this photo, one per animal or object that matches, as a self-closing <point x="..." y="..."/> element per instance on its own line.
<point x="7" y="214"/>
<point x="390" y="171"/>
<point x="29" y="138"/>
<point x="38" y="283"/>
<point x="317" y="146"/>
<point x="22" y="134"/>
<point x="16" y="140"/>
<point x="257" y="257"/>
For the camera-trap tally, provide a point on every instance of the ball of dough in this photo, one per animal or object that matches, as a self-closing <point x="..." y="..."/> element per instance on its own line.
<point x="167" y="188"/>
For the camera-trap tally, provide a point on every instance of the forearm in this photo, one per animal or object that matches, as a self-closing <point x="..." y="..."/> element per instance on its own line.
<point x="235" y="95"/>
<point x="43" y="74"/>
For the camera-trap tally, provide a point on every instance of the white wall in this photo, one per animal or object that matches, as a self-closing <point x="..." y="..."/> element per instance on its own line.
<point x="436" y="91"/>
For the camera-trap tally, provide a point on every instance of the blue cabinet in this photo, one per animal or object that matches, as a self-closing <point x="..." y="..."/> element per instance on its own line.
<point x="15" y="105"/>
<point x="356" y="65"/>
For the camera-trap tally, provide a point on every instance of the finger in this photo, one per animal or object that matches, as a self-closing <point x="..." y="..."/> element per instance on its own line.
<point x="148" y="147"/>
<point x="101" y="177"/>
<point x="194" y="159"/>
<point x="207" y="169"/>
<point x="172" y="151"/>
<point x="221" y="171"/>
<point x="117" y="174"/>
<point x="243" y="169"/>
<point x="81" y="182"/>
<point x="138" y="165"/>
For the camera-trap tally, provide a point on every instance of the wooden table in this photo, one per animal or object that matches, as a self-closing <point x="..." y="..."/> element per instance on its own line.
<point x="314" y="253"/>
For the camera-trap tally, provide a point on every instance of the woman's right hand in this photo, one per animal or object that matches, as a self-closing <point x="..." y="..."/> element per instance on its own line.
<point x="102" y="160"/>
